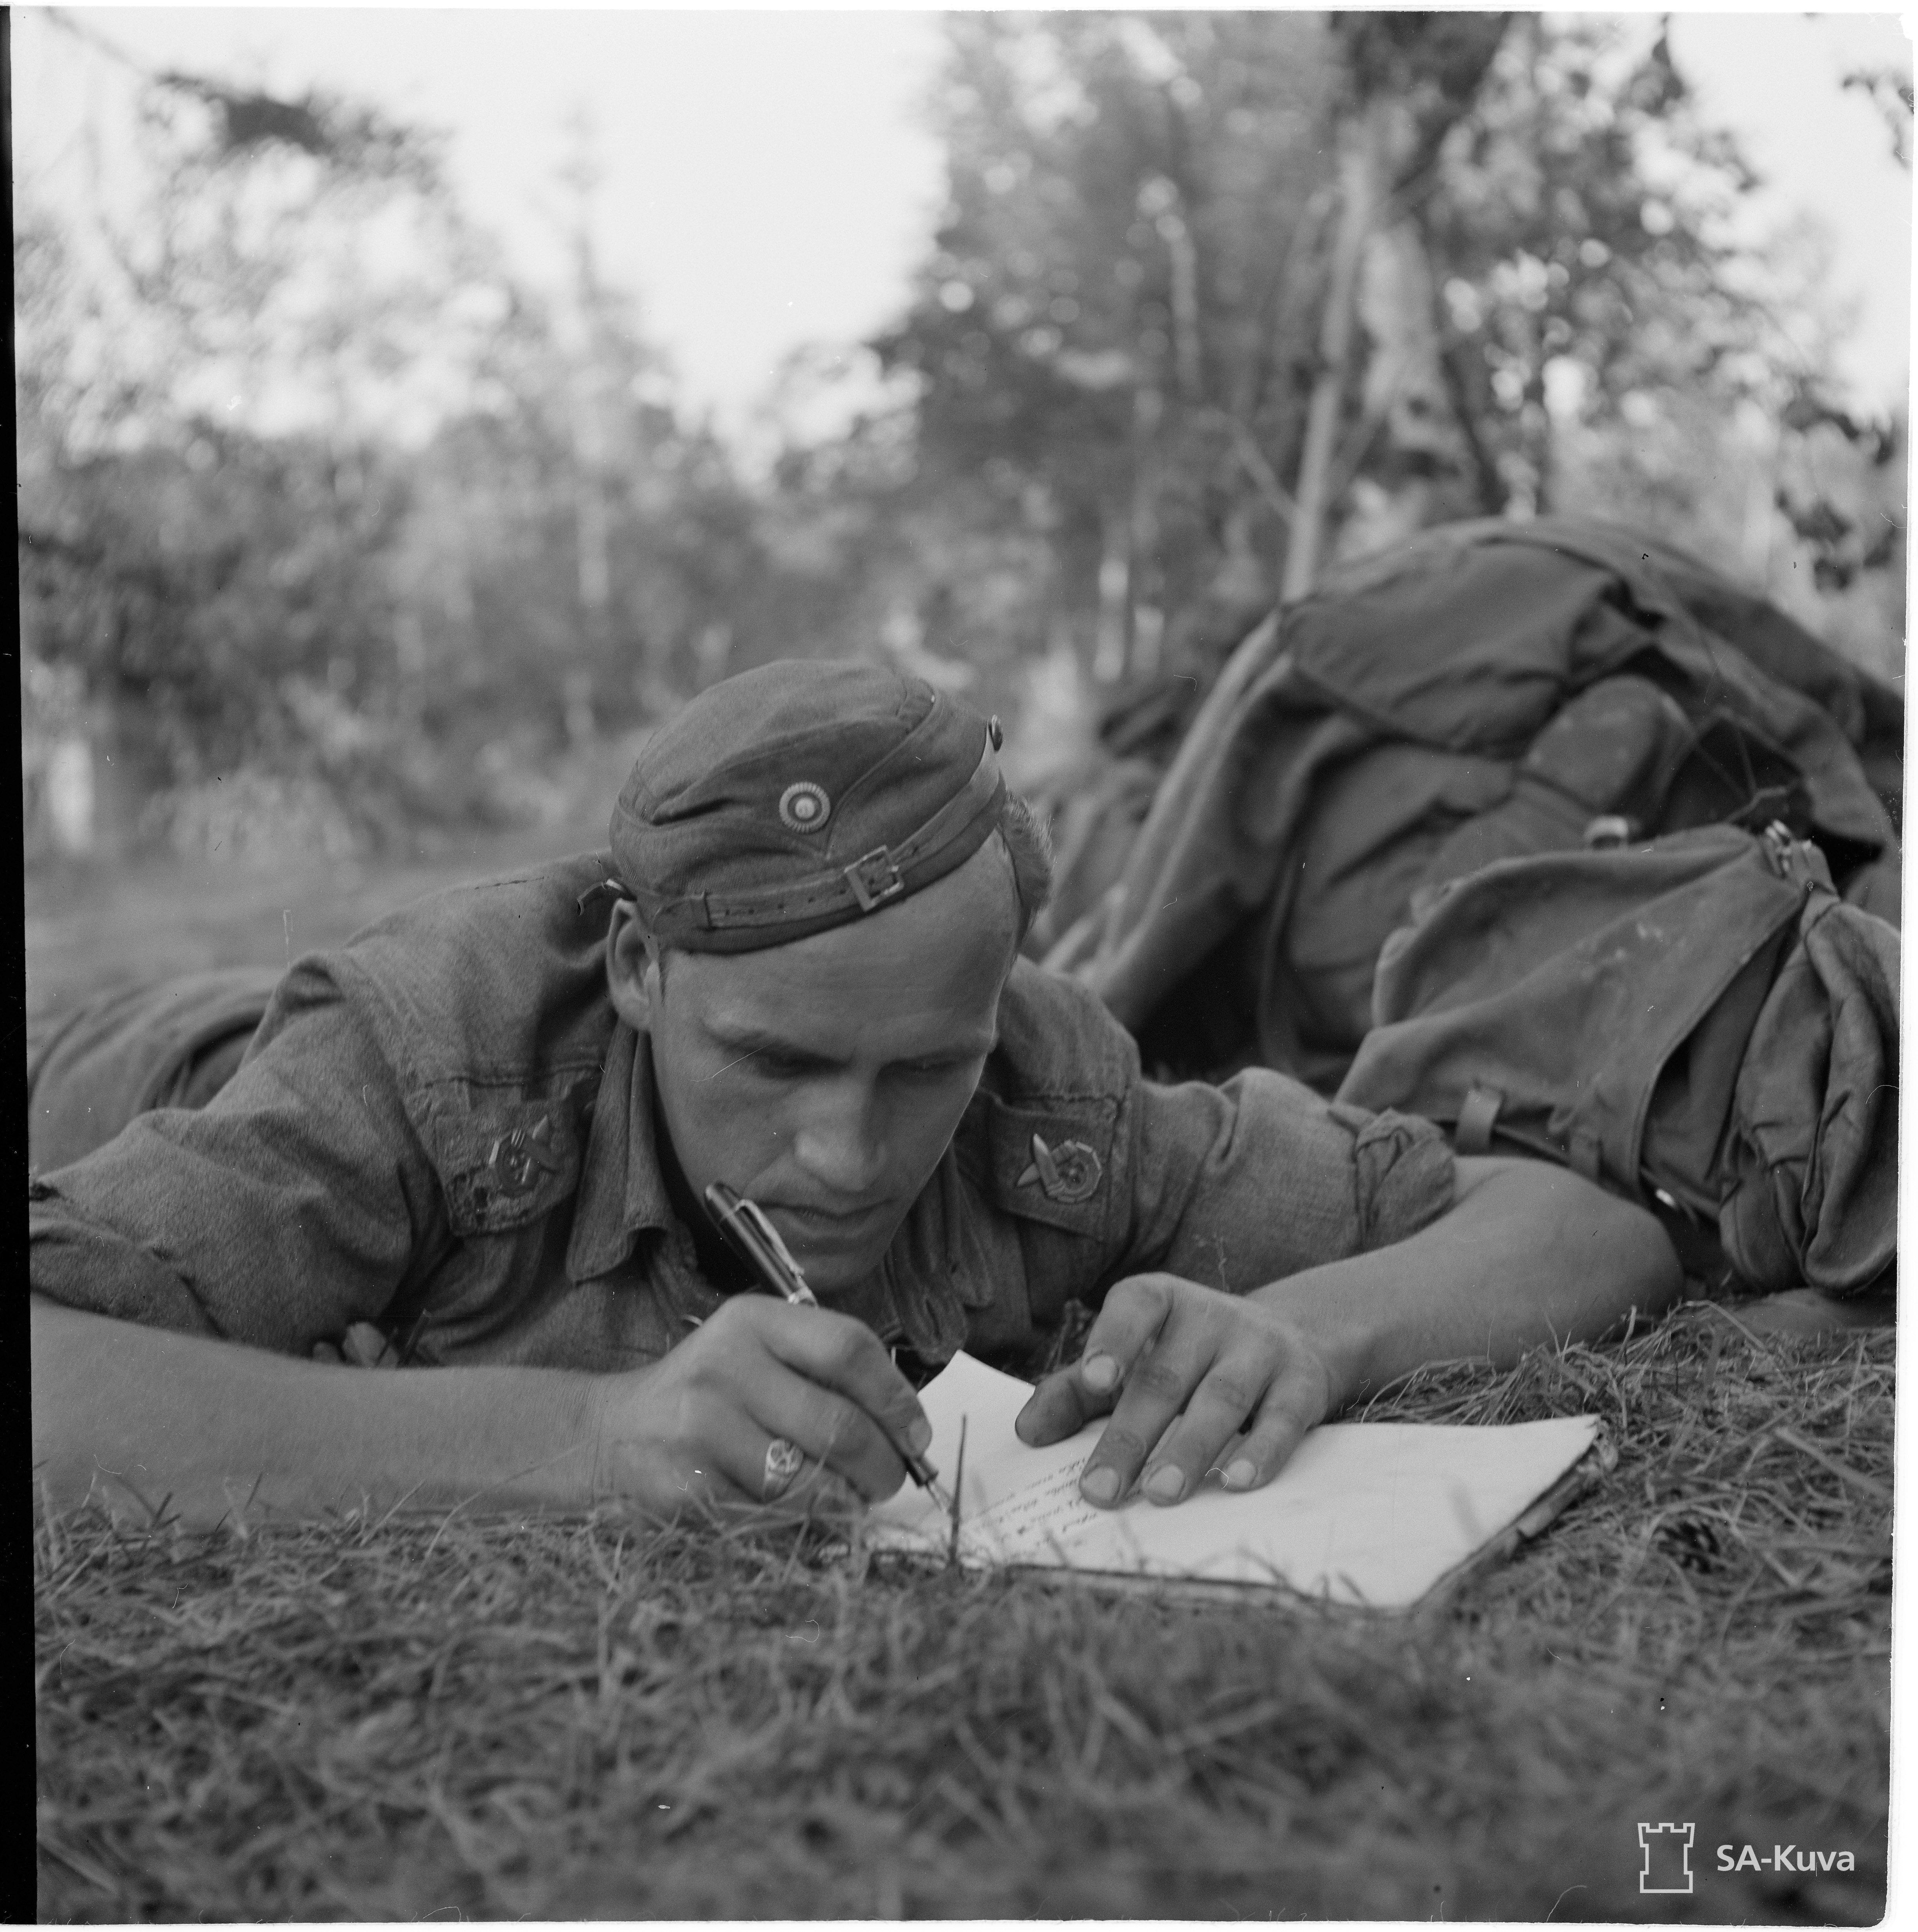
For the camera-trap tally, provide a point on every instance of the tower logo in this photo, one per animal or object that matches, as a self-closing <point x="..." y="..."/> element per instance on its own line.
<point x="1668" y="1850"/>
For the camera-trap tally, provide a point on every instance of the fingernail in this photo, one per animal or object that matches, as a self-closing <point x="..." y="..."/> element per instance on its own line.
<point x="919" y="1438"/>
<point x="1239" y="1475"/>
<point x="1099" y="1485"/>
<point x="1165" y="1485"/>
<point x="1098" y="1373"/>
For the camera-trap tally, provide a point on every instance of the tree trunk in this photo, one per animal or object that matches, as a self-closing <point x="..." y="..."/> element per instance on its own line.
<point x="1145" y="588"/>
<point x="1358" y="189"/>
<point x="1110" y="648"/>
<point x="1415" y="76"/>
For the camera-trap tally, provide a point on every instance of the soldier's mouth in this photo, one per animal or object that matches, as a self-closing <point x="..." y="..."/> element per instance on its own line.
<point x="829" y="1224"/>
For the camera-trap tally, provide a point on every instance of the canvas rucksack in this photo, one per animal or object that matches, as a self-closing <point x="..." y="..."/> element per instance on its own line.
<point x="1698" y="1022"/>
<point x="1485" y="690"/>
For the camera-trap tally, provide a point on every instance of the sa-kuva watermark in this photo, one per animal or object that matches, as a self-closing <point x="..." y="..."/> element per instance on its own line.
<point x="1667" y="1858"/>
<point x="1782" y="1858"/>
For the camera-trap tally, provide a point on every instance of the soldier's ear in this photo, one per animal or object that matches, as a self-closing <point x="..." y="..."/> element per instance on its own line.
<point x="632" y="967"/>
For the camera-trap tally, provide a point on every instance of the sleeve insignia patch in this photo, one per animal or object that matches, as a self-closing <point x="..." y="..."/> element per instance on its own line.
<point x="518" y="1159"/>
<point x="1069" y="1172"/>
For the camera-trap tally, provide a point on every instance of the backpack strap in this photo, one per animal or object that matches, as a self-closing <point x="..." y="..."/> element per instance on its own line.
<point x="1478" y="1114"/>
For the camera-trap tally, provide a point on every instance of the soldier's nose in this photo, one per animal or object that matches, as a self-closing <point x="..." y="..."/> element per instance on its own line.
<point x="840" y="1150"/>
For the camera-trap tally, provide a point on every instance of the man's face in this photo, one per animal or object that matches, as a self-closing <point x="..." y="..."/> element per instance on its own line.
<point x="824" y="1079"/>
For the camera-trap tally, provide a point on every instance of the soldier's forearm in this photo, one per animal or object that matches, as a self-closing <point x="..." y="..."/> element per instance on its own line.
<point x="140" y="1417"/>
<point x="1529" y="1254"/>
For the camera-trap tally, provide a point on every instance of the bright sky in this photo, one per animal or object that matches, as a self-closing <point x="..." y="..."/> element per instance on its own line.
<point x="1775" y="79"/>
<point x="767" y="183"/>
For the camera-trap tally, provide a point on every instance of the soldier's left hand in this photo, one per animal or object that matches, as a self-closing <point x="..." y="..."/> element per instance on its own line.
<point x="1185" y="1372"/>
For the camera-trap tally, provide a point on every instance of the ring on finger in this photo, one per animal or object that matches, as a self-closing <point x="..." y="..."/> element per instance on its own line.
<point x="783" y="1462"/>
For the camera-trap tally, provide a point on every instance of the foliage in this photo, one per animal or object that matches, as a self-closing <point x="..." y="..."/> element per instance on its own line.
<point x="573" y="549"/>
<point x="223" y="588"/>
<point x="1117" y="329"/>
<point x="207" y="502"/>
<point x="1574" y="232"/>
<point x="317" y="496"/>
<point x="1110" y="333"/>
<point x="322" y="502"/>
<point x="1889" y="91"/>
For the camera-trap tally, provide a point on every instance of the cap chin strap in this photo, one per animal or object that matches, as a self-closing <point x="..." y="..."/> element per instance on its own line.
<point x="874" y="879"/>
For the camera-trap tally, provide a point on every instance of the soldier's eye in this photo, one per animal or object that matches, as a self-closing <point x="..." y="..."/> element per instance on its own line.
<point x="781" y="1066"/>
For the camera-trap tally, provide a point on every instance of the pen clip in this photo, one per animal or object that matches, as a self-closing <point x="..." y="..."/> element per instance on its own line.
<point x="744" y="1225"/>
<point x="754" y="1216"/>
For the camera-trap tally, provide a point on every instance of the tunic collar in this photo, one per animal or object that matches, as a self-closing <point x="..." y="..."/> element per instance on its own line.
<point x="622" y="1193"/>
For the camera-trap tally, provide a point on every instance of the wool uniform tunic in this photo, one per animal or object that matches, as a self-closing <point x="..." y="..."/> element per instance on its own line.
<point x="443" y="1129"/>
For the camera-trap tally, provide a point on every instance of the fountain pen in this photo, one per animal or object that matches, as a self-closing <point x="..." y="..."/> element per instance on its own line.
<point x="756" y="1241"/>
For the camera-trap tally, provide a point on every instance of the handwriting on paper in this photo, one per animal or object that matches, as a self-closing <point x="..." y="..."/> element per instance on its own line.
<point x="1035" y="1519"/>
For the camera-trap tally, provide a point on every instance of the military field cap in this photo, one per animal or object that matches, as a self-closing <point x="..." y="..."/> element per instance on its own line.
<point x="802" y="796"/>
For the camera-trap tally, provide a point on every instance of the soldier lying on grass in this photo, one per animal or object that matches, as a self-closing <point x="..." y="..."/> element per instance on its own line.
<point x="479" y="1134"/>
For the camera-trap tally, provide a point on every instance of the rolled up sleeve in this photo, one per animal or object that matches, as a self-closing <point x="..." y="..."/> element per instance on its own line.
<point x="295" y="1204"/>
<point x="1241" y="1184"/>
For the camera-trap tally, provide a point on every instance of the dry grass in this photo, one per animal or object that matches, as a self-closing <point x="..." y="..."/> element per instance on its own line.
<point x="585" y="1717"/>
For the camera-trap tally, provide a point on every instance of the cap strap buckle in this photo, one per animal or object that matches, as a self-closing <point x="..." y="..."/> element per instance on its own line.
<point x="875" y="879"/>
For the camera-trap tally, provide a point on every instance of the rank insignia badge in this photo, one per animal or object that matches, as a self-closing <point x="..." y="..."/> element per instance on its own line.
<point x="518" y="1159"/>
<point x="1068" y="1172"/>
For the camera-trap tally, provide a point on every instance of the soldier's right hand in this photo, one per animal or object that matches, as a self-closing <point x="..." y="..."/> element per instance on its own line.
<point x="695" y="1427"/>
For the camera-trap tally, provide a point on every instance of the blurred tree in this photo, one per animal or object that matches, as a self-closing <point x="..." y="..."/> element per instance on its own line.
<point x="217" y="591"/>
<point x="221" y="604"/>
<point x="314" y="491"/>
<point x="312" y="483"/>
<point x="1890" y="90"/>
<point x="1213" y="291"/>
<point x="1576" y="227"/>
<point x="282" y="263"/>
<point x="1112" y="333"/>
<point x="1405" y="80"/>
<point x="1607" y="339"/>
<point x="207" y="384"/>
<point x="576" y="552"/>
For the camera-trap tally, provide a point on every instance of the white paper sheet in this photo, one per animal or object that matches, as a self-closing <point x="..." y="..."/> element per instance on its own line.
<point x="1373" y="1512"/>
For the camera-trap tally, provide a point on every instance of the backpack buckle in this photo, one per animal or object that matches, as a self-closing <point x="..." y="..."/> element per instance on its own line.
<point x="1786" y="855"/>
